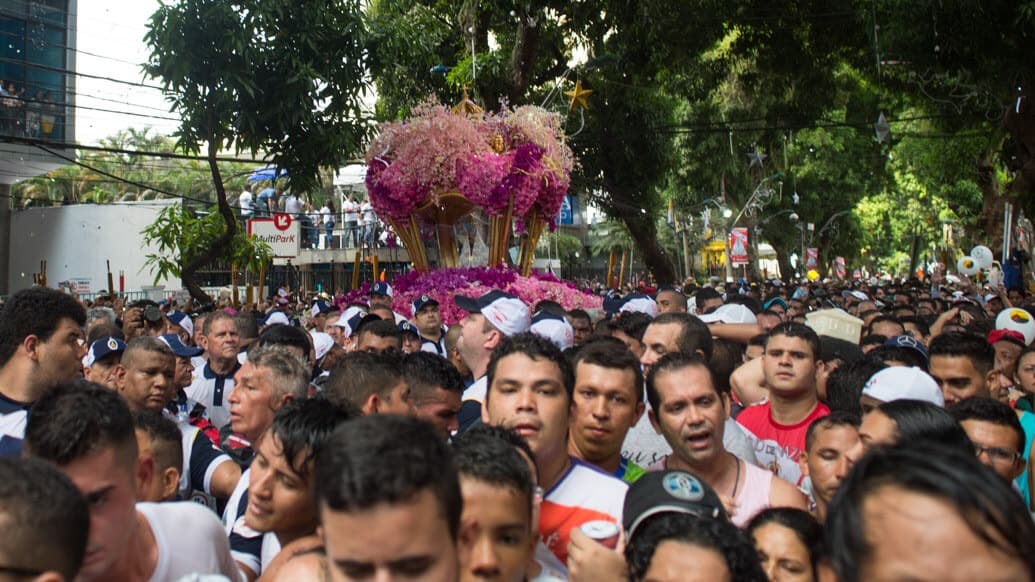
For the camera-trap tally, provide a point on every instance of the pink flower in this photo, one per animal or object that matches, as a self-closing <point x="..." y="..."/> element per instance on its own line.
<point x="444" y="284"/>
<point x="412" y="162"/>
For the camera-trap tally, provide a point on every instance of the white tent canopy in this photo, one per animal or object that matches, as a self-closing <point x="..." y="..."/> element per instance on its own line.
<point x="352" y="176"/>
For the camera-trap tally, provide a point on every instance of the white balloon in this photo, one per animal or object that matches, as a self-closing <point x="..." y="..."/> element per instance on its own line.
<point x="983" y="256"/>
<point x="1018" y="320"/>
<point x="967" y="266"/>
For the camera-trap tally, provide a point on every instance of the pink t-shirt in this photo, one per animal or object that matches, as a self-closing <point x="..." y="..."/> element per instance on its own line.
<point x="778" y="446"/>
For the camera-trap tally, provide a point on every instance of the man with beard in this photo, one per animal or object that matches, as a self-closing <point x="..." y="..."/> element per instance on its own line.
<point x="689" y="410"/>
<point x="41" y="342"/>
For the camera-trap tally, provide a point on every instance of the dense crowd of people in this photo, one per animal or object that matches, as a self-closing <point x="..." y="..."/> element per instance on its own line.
<point x="681" y="433"/>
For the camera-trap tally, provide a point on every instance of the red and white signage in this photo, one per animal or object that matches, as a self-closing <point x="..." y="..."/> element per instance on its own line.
<point x="839" y="267"/>
<point x="281" y="232"/>
<point x="739" y="246"/>
<point x="811" y="258"/>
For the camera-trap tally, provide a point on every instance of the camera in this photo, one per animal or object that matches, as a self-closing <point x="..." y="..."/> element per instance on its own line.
<point x="152" y="314"/>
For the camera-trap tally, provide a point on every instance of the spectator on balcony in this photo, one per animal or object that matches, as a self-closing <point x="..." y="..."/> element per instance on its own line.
<point x="12" y="106"/>
<point x="327" y="216"/>
<point x="33" y="109"/>
<point x="351" y="209"/>
<point x="48" y="116"/>
<point x="266" y="202"/>
<point x="246" y="202"/>
<point x="369" y="221"/>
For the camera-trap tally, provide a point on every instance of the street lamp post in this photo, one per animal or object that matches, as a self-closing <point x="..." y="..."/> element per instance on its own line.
<point x="760" y="198"/>
<point x="830" y="223"/>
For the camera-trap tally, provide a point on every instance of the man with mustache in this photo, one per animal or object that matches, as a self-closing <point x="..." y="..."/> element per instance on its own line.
<point x="689" y="410"/>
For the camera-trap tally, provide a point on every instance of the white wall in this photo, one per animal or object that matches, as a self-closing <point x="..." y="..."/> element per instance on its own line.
<point x="77" y="240"/>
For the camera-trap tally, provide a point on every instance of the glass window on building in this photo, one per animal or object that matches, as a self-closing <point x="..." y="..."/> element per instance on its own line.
<point x="33" y="68"/>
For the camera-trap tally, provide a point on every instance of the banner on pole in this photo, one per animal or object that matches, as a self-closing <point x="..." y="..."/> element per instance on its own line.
<point x="839" y="267"/>
<point x="739" y="246"/>
<point x="811" y="258"/>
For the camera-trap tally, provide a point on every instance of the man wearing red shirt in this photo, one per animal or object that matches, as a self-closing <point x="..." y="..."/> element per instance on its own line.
<point x="778" y="426"/>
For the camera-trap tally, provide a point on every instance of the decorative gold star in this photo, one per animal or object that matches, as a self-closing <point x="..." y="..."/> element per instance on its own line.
<point x="578" y="96"/>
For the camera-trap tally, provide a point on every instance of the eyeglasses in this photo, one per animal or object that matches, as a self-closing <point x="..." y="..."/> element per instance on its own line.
<point x="997" y="454"/>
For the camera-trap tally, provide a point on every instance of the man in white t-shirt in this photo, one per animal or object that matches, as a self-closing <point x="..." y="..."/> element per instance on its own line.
<point x="87" y="431"/>
<point x="350" y="214"/>
<point x="292" y="205"/>
<point x="246" y="202"/>
<point x="368" y="218"/>
<point x="530" y="385"/>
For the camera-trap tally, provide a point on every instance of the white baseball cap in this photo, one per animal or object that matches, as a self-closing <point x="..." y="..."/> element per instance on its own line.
<point x="554" y="328"/>
<point x="349" y="318"/>
<point x="641" y="304"/>
<point x="322" y="343"/>
<point x="730" y="313"/>
<point x="504" y="311"/>
<point x="902" y="383"/>
<point x="277" y="318"/>
<point x="183" y="320"/>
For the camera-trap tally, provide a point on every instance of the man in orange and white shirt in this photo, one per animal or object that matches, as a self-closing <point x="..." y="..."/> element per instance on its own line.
<point x="530" y="385"/>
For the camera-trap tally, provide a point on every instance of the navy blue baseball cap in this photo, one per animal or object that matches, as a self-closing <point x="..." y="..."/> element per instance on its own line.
<point x="319" y="307"/>
<point x="182" y="351"/>
<point x="381" y="288"/>
<point x="908" y="342"/>
<point x="102" y="348"/>
<point x="422" y="302"/>
<point x="407" y="327"/>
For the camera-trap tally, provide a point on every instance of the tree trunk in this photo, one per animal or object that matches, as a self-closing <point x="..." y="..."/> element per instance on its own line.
<point x="644" y="233"/>
<point x="990" y="221"/>
<point x="220" y="246"/>
<point x="752" y="248"/>
<point x="522" y="59"/>
<point x="784" y="261"/>
<point x="1019" y="122"/>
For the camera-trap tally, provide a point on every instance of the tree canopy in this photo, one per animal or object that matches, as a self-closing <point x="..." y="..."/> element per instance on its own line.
<point x="265" y="76"/>
<point x="685" y="89"/>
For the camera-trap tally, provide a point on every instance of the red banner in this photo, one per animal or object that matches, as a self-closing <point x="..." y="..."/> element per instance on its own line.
<point x="839" y="267"/>
<point x="739" y="246"/>
<point x="811" y="258"/>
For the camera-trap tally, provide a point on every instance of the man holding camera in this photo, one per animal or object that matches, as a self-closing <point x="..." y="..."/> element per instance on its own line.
<point x="143" y="318"/>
